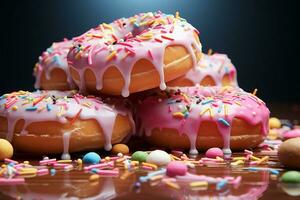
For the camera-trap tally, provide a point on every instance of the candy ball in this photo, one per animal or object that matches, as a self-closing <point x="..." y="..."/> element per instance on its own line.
<point x="273" y="134"/>
<point x="6" y="149"/>
<point x="176" y="168"/>
<point x="274" y="123"/>
<point x="140" y="156"/>
<point x="52" y="172"/>
<point x="290" y="188"/>
<point x="120" y="148"/>
<point x="91" y="158"/>
<point x="289" y="153"/>
<point x="214" y="152"/>
<point x="159" y="157"/>
<point x="291" y="177"/>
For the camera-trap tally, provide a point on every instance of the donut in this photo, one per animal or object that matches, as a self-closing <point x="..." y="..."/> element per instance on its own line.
<point x="51" y="71"/>
<point x="45" y="122"/>
<point x="203" y="117"/>
<point x="134" y="54"/>
<point x="211" y="70"/>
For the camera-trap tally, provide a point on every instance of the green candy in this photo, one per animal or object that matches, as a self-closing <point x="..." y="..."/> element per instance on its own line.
<point x="291" y="177"/>
<point x="140" y="156"/>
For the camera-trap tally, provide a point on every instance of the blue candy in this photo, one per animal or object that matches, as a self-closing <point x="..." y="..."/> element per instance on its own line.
<point x="52" y="172"/>
<point x="220" y="185"/>
<point x="91" y="158"/>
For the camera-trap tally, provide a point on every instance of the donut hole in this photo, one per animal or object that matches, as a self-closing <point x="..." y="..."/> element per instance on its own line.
<point x="138" y="30"/>
<point x="131" y="33"/>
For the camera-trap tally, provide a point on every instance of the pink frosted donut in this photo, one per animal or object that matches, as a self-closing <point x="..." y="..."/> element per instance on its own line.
<point x="212" y="70"/>
<point x="51" y="71"/>
<point x="45" y="122"/>
<point x="204" y="117"/>
<point x="134" y="54"/>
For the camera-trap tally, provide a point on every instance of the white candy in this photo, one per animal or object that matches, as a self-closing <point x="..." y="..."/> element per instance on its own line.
<point x="120" y="155"/>
<point x="159" y="157"/>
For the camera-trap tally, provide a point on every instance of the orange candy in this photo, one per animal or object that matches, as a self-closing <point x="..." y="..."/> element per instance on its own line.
<point x="120" y="148"/>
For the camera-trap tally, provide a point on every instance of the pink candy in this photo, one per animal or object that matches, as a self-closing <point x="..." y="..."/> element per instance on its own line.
<point x="214" y="152"/>
<point x="99" y="166"/>
<point x="291" y="134"/>
<point x="48" y="161"/>
<point x="176" y="168"/>
<point x="108" y="172"/>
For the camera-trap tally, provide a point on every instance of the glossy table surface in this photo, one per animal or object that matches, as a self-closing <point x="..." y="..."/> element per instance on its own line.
<point x="75" y="184"/>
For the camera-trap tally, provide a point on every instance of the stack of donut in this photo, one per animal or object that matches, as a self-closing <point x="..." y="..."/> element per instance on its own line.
<point x="135" y="55"/>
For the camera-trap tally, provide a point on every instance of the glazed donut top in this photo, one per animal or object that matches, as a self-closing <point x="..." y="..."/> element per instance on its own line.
<point x="125" y="41"/>
<point x="54" y="57"/>
<point x="184" y="109"/>
<point x="63" y="107"/>
<point x="216" y="66"/>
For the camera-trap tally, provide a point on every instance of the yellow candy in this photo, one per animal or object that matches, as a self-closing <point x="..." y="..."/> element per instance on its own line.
<point x="274" y="122"/>
<point x="199" y="184"/>
<point x="273" y="134"/>
<point x="79" y="161"/>
<point x="6" y="149"/>
<point x="26" y="162"/>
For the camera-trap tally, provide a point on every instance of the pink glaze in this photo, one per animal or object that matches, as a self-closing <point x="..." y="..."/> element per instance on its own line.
<point x="185" y="108"/>
<point x="215" y="66"/>
<point x="55" y="57"/>
<point x="214" y="152"/>
<point x="58" y="106"/>
<point x="125" y="41"/>
<point x="176" y="168"/>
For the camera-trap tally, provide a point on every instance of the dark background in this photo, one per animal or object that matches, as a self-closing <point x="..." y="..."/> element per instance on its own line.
<point x="260" y="37"/>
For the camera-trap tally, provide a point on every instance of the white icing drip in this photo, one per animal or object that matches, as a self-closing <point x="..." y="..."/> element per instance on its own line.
<point x="66" y="144"/>
<point x="10" y="129"/>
